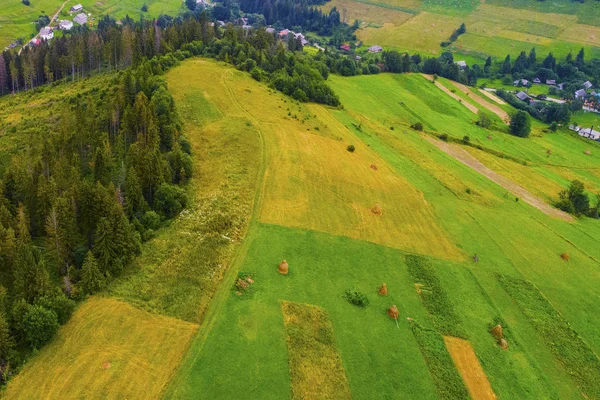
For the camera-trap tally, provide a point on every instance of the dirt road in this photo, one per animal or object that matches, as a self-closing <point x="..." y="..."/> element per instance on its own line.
<point x="471" y="107"/>
<point x="51" y="21"/>
<point x="464" y="157"/>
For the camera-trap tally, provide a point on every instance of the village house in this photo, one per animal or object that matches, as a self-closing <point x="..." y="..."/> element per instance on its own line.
<point x="580" y="94"/>
<point x="522" y="82"/>
<point x="302" y="38"/>
<point x="537" y="80"/>
<point x="521" y="95"/>
<point x="81" y="19"/>
<point x="551" y="82"/>
<point x="270" y="30"/>
<point x="221" y="23"/>
<point x="246" y="27"/>
<point x="76" y="8"/>
<point x="345" y="47"/>
<point x="284" y="34"/>
<point x="462" y="64"/>
<point x="589" y="133"/>
<point x="46" y="33"/>
<point x="587" y="85"/>
<point x="358" y="58"/>
<point x="375" y="49"/>
<point x="561" y="86"/>
<point x="65" y="25"/>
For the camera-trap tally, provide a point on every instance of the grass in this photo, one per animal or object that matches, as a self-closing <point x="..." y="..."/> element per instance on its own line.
<point x="441" y="367"/>
<point x="108" y="349"/>
<point x="570" y="349"/>
<point x="316" y="369"/>
<point x="509" y="237"/>
<point x="434" y="297"/>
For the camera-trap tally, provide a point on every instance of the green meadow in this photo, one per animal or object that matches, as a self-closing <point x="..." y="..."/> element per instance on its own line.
<point x="243" y="345"/>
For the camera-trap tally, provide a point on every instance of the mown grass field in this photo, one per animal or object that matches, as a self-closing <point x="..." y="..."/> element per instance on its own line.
<point x="109" y="349"/>
<point x="18" y="20"/>
<point x="243" y="347"/>
<point x="494" y="28"/>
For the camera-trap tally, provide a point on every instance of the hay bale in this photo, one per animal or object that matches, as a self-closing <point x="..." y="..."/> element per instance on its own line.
<point x="383" y="290"/>
<point x="497" y="332"/>
<point x="373" y="167"/>
<point x="377" y="210"/>
<point x="503" y="344"/>
<point x="565" y="256"/>
<point x="283" y="268"/>
<point x="587" y="152"/>
<point x="490" y="137"/>
<point x="392" y="312"/>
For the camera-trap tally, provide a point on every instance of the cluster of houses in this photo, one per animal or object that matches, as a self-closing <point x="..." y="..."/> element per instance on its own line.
<point x="589" y="133"/>
<point x="285" y="34"/>
<point x="579" y="94"/>
<point x="47" y="33"/>
<point x="373" y="49"/>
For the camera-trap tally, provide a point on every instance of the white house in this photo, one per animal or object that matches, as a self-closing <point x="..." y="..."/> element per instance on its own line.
<point x="66" y="25"/>
<point x="46" y="34"/>
<point x="461" y="63"/>
<point x="580" y="94"/>
<point x="81" y="19"/>
<point x="270" y="30"/>
<point x="587" y="85"/>
<point x="375" y="49"/>
<point x="77" y="8"/>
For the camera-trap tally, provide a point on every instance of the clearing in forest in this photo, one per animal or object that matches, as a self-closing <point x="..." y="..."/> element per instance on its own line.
<point x="469" y="368"/>
<point x="108" y="347"/>
<point x="316" y="369"/>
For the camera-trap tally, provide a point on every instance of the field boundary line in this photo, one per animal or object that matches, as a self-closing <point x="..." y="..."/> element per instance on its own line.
<point x="444" y="89"/>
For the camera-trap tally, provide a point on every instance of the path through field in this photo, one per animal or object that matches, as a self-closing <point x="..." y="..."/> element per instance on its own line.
<point x="469" y="368"/>
<point x="471" y="107"/>
<point x="482" y="102"/>
<point x="492" y="97"/>
<point x="464" y="157"/>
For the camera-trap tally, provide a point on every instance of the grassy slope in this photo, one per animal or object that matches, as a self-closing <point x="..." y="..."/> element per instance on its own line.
<point x="486" y="222"/>
<point x="108" y="349"/>
<point x="16" y="19"/>
<point x="493" y="28"/>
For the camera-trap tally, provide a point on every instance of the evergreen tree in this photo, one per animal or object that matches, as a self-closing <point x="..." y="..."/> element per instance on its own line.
<point x="6" y="340"/>
<point x="580" y="60"/>
<point x="532" y="59"/>
<point x="92" y="280"/>
<point x="520" y="124"/>
<point x="104" y="246"/>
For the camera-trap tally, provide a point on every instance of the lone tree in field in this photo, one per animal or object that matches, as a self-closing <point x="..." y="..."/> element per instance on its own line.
<point x="484" y="120"/>
<point x="520" y="124"/>
<point x="574" y="200"/>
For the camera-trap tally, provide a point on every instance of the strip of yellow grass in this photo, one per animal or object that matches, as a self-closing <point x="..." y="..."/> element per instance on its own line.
<point x="468" y="105"/>
<point x="484" y="103"/>
<point x="469" y="368"/>
<point x="493" y="97"/>
<point x="312" y="181"/>
<point x="316" y="369"/>
<point x="352" y="10"/>
<point x="109" y="349"/>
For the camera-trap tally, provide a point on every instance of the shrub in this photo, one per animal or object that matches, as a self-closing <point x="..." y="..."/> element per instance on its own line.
<point x="169" y="200"/>
<point x="145" y="8"/>
<point x="151" y="220"/>
<point x="444" y="137"/>
<point x="26" y="2"/>
<point x="39" y="325"/>
<point x="62" y="306"/>
<point x="484" y="120"/>
<point x="356" y="298"/>
<point x="520" y="124"/>
<point x="466" y="139"/>
<point x="351" y="148"/>
<point x="554" y="126"/>
<point x="417" y="126"/>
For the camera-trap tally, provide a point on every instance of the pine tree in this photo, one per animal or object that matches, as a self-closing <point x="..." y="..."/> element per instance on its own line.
<point x="104" y="245"/>
<point x="3" y="74"/>
<point x="134" y="199"/>
<point x="532" y="59"/>
<point x="6" y="341"/>
<point x="580" y="60"/>
<point x="92" y="280"/>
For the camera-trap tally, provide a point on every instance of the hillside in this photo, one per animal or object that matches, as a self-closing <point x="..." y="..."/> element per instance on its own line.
<point x="494" y="28"/>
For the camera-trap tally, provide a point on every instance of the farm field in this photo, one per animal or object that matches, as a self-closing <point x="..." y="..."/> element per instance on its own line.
<point x="17" y="20"/>
<point x="493" y="28"/>
<point x="441" y="295"/>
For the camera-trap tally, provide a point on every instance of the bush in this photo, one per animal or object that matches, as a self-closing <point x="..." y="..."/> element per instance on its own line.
<point x="444" y="137"/>
<point x="62" y="306"/>
<point x="26" y="2"/>
<point x="356" y="298"/>
<point x="484" y="120"/>
<point x="554" y="126"/>
<point x="417" y="126"/>
<point x="39" y="325"/>
<point x="151" y="220"/>
<point x="145" y="8"/>
<point x="466" y="139"/>
<point x="351" y="148"/>
<point x="520" y="124"/>
<point x="300" y="95"/>
<point x="169" y="200"/>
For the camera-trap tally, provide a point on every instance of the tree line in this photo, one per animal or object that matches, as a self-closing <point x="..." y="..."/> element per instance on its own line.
<point x="97" y="181"/>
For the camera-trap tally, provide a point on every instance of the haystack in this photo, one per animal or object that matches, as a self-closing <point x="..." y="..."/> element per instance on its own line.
<point x="503" y="344"/>
<point x="373" y="167"/>
<point x="587" y="152"/>
<point x="383" y="290"/>
<point x="497" y="332"/>
<point x="565" y="256"/>
<point x="283" y="267"/>
<point x="393" y="312"/>
<point x="377" y="209"/>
